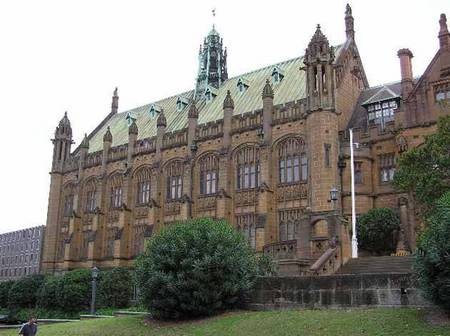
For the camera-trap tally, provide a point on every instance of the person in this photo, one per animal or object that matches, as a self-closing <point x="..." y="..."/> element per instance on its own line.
<point x="29" y="328"/>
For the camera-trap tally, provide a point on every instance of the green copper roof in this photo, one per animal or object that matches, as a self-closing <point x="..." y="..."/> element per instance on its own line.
<point x="291" y="88"/>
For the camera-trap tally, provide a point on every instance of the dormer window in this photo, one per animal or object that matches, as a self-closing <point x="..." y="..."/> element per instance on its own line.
<point x="242" y="85"/>
<point x="130" y="119"/>
<point x="210" y="93"/>
<point x="277" y="75"/>
<point x="154" y="110"/>
<point x="381" y="112"/>
<point x="182" y="102"/>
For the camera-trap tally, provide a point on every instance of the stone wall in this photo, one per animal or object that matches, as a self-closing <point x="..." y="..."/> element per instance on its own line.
<point x="337" y="291"/>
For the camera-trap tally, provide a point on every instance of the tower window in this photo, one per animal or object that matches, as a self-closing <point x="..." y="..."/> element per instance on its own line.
<point x="442" y="92"/>
<point x="277" y="75"/>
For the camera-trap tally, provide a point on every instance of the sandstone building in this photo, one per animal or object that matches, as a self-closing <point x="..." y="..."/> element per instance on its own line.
<point x="20" y="252"/>
<point x="262" y="149"/>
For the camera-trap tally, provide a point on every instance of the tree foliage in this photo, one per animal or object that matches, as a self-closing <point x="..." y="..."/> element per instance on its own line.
<point x="433" y="260"/>
<point x="115" y="288"/>
<point x="5" y="286"/>
<point x="425" y="170"/>
<point x="195" y="268"/>
<point x="23" y="292"/>
<point x="376" y="229"/>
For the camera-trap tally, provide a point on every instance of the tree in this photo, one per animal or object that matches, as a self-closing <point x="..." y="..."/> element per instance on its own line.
<point x="425" y="170"/>
<point x="49" y="293"/>
<point x="5" y="286"/>
<point x="376" y="229"/>
<point x="433" y="260"/>
<point x="195" y="268"/>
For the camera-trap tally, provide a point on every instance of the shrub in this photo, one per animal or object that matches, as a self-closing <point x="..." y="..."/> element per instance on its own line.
<point x="23" y="292"/>
<point x="49" y="293"/>
<point x="5" y="286"/>
<point x="376" y="229"/>
<point x="115" y="288"/>
<point x="195" y="268"/>
<point x="75" y="290"/>
<point x="433" y="260"/>
<point x="266" y="266"/>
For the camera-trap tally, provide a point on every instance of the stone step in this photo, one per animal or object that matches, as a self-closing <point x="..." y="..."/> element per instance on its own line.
<point x="384" y="264"/>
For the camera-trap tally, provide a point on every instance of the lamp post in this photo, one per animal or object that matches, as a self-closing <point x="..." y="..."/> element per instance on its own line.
<point x="95" y="272"/>
<point x="352" y="171"/>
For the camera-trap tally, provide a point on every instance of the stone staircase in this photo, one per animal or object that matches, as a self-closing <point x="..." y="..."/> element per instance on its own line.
<point x="378" y="265"/>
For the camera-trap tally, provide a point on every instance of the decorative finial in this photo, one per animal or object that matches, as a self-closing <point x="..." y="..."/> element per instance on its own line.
<point x="161" y="121"/>
<point x="228" y="101"/>
<point x="115" y="91"/>
<point x="108" y="136"/>
<point x="193" y="112"/>
<point x="348" y="10"/>
<point x="133" y="129"/>
<point x="267" y="90"/>
<point x="318" y="26"/>
<point x="85" y="142"/>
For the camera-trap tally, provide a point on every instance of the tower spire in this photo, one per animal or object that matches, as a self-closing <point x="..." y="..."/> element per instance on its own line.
<point x="212" y="63"/>
<point x="115" y="101"/>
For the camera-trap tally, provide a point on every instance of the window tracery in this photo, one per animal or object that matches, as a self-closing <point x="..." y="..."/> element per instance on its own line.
<point x="209" y="174"/>
<point x="292" y="161"/>
<point x="248" y="168"/>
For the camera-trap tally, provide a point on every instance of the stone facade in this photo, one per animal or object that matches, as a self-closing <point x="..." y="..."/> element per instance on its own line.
<point x="20" y="252"/>
<point x="262" y="150"/>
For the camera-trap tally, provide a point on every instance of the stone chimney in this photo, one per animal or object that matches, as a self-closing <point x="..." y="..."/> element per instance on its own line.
<point x="405" y="56"/>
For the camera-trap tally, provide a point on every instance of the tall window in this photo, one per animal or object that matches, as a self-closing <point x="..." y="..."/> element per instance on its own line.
<point x="358" y="173"/>
<point x="90" y="196"/>
<point x="116" y="192"/>
<point x="209" y="174"/>
<point x="292" y="161"/>
<point x="248" y="168"/>
<point x="68" y="205"/>
<point x="382" y="112"/>
<point x="143" y="186"/>
<point x="387" y="167"/>
<point x="442" y="92"/>
<point x="174" y="173"/>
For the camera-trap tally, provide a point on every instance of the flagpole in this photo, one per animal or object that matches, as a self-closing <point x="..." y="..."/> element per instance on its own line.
<point x="352" y="171"/>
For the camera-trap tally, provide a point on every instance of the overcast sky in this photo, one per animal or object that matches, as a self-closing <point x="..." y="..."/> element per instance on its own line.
<point x="69" y="55"/>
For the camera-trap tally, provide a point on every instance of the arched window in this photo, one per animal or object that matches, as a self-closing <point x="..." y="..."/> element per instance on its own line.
<point x="115" y="192"/>
<point x="174" y="174"/>
<point x="90" y="196"/>
<point x="246" y="223"/>
<point x="143" y="179"/>
<point x="209" y="174"/>
<point x="248" y="168"/>
<point x="292" y="161"/>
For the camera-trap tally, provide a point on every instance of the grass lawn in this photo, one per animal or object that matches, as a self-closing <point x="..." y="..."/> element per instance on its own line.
<point x="378" y="322"/>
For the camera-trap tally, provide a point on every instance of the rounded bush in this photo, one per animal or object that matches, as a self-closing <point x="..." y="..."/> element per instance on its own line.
<point x="432" y="262"/>
<point x="115" y="288"/>
<point x="376" y="229"/>
<point x="75" y="290"/>
<point x="195" y="268"/>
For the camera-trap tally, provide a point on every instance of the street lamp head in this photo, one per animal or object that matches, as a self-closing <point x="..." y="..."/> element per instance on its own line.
<point x="95" y="272"/>
<point x="333" y="194"/>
